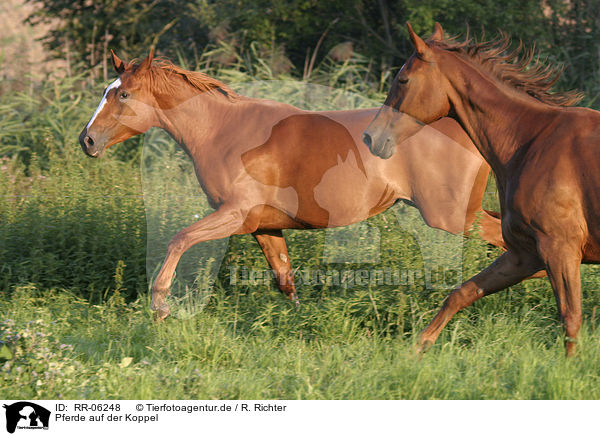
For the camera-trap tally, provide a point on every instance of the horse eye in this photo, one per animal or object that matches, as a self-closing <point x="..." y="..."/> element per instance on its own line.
<point x="403" y="80"/>
<point x="123" y="95"/>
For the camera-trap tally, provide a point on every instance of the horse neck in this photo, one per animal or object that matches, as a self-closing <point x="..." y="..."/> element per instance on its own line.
<point x="499" y="119"/>
<point x="192" y="117"/>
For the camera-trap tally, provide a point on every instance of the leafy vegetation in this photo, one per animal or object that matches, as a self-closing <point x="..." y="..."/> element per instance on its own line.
<point x="292" y="35"/>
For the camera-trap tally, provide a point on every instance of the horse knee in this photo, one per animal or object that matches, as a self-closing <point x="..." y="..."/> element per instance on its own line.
<point x="461" y="297"/>
<point x="177" y="245"/>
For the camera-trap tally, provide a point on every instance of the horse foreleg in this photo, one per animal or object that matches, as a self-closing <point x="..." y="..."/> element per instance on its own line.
<point x="507" y="270"/>
<point x="219" y="224"/>
<point x="275" y="250"/>
<point x="563" y="262"/>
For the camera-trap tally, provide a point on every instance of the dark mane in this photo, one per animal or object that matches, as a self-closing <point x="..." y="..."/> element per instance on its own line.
<point x="161" y="79"/>
<point x="523" y="69"/>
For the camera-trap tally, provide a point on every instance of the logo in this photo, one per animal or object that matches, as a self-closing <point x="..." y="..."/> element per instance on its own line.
<point x="26" y="415"/>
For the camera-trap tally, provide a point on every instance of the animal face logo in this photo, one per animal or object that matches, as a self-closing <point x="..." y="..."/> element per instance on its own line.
<point x="26" y="415"/>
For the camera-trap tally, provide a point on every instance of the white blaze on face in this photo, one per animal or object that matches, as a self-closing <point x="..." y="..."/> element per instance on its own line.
<point x="115" y="84"/>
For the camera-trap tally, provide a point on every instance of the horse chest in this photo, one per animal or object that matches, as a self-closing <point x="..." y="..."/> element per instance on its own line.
<point x="520" y="209"/>
<point x="214" y="183"/>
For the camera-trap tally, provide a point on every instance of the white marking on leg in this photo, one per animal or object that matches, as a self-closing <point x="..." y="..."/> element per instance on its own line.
<point x="283" y="257"/>
<point x="115" y="84"/>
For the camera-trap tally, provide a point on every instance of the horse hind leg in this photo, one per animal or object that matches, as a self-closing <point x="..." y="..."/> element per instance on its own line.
<point x="507" y="270"/>
<point x="490" y="228"/>
<point x="275" y="250"/>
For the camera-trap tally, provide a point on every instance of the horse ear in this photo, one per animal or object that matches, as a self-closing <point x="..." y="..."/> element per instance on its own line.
<point x="420" y="45"/>
<point x="146" y="63"/>
<point x="118" y="64"/>
<point x="438" y="33"/>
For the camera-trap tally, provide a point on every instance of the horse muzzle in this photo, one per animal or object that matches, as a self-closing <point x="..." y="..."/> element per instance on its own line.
<point x="89" y="144"/>
<point x="388" y="128"/>
<point x="380" y="145"/>
<point x="379" y="135"/>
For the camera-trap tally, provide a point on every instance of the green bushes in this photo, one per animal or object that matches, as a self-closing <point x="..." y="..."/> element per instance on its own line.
<point x="69" y="225"/>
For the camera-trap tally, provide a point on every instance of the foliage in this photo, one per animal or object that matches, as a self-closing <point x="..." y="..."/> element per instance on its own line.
<point x="38" y="122"/>
<point x="291" y="35"/>
<point x="69" y="225"/>
<point x="237" y="46"/>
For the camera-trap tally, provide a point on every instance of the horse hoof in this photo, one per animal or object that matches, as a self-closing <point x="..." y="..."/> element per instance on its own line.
<point x="422" y="346"/>
<point x="161" y="313"/>
<point x="295" y="299"/>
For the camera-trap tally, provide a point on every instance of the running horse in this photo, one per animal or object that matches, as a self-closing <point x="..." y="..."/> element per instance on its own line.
<point x="545" y="156"/>
<point x="262" y="164"/>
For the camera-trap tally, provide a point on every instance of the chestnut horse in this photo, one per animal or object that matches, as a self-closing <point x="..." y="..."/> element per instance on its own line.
<point x="259" y="163"/>
<point x="545" y="156"/>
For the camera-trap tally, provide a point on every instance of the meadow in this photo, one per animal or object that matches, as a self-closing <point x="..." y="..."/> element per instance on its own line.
<point x="77" y="247"/>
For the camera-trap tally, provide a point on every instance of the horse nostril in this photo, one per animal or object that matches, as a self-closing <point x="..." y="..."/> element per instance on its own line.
<point x="89" y="141"/>
<point x="367" y="139"/>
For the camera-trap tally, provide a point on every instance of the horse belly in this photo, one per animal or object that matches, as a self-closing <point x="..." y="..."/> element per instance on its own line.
<point x="345" y="200"/>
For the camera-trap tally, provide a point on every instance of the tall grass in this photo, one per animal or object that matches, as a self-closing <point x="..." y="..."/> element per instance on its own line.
<point x="69" y="225"/>
<point x="254" y="344"/>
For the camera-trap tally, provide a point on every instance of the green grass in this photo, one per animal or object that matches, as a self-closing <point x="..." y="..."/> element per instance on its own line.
<point x="74" y="304"/>
<point x="256" y="345"/>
